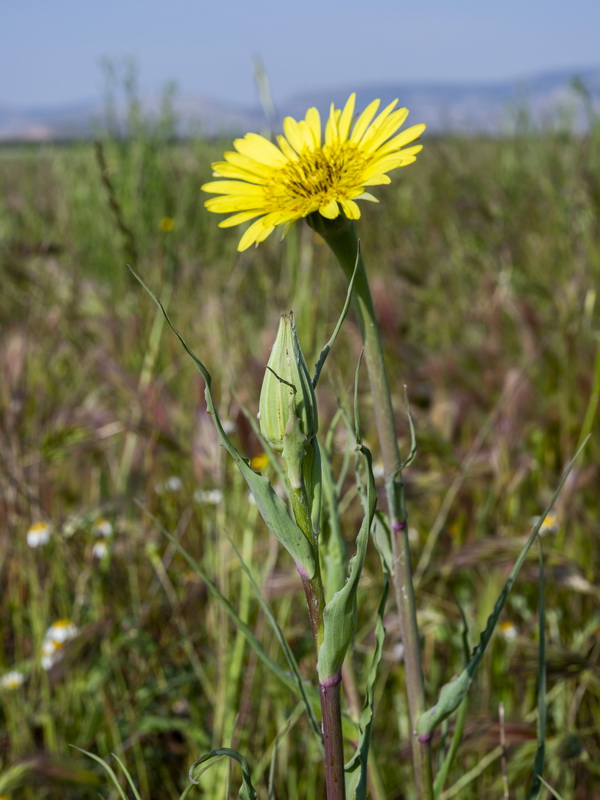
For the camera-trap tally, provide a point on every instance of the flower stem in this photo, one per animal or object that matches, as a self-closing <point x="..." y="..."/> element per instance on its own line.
<point x="331" y="712"/>
<point x="332" y="739"/>
<point x="341" y="237"/>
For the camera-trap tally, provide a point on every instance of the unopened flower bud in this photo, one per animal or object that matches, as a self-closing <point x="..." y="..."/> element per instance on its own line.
<point x="287" y="397"/>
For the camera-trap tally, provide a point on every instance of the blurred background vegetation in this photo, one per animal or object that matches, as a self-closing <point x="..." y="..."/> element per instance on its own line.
<point x="484" y="259"/>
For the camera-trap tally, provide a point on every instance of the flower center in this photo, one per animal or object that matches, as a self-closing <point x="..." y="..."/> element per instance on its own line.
<point x="327" y="173"/>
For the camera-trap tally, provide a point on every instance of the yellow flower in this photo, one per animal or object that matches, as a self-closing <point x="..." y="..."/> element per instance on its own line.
<point x="309" y="172"/>
<point x="167" y="224"/>
<point x="259" y="462"/>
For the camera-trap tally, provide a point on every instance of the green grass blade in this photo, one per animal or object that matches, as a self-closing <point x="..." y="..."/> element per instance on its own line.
<point x="538" y="764"/>
<point x="247" y="791"/>
<point x="452" y="693"/>
<point x="552" y="791"/>
<point x="128" y="776"/>
<point x="110" y="771"/>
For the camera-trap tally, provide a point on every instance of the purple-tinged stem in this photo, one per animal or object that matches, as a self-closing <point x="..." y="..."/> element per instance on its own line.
<point x="332" y="738"/>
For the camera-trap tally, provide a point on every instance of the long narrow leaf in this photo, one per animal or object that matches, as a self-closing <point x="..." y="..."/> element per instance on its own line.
<point x="110" y="772"/>
<point x="442" y="775"/>
<point x="272" y="509"/>
<point x="128" y="777"/>
<point x="552" y="791"/>
<point x="283" y="676"/>
<point x="452" y="694"/>
<point x="538" y="764"/>
<point x="289" y="656"/>
<point x="247" y="790"/>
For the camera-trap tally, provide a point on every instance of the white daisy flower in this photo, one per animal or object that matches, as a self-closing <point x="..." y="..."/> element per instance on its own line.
<point x="103" y="528"/>
<point x="39" y="534"/>
<point x="12" y="680"/>
<point x="208" y="497"/>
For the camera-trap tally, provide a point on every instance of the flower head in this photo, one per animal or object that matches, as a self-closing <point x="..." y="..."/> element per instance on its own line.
<point x="102" y="528"/>
<point x="287" y="389"/>
<point x="550" y="523"/>
<point x="310" y="170"/>
<point x="100" y="549"/>
<point x="12" y="680"/>
<point x="208" y="497"/>
<point x="39" y="533"/>
<point x="167" y="224"/>
<point x="54" y="639"/>
<point x="509" y="630"/>
<point x="259" y="462"/>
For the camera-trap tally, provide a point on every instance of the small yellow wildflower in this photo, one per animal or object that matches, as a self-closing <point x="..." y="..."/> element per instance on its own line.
<point x="167" y="224"/>
<point x="259" y="462"/>
<point x="309" y="172"/>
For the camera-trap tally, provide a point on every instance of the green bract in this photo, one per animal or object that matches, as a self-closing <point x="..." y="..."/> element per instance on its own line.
<point x="287" y="393"/>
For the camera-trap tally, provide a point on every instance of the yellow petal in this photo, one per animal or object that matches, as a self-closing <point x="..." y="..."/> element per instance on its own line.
<point x="313" y="120"/>
<point x="363" y="122"/>
<point x="226" y="170"/>
<point x="330" y="210"/>
<point x="367" y="196"/>
<point x="233" y="187"/>
<point x="331" y="130"/>
<point x="350" y="209"/>
<point x="346" y="118"/>
<point x="293" y="134"/>
<point x="264" y="233"/>
<point x="287" y="149"/>
<point x="404" y="138"/>
<point x="250" y="236"/>
<point x="259" y="149"/>
<point x="245" y="163"/>
<point x="226" y="204"/>
<point x="377" y="123"/>
<point x="386" y="129"/>
<point x="376" y="180"/>
<point x="238" y="219"/>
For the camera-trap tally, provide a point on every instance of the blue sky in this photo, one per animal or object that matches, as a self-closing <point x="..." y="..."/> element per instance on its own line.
<point x="50" y="50"/>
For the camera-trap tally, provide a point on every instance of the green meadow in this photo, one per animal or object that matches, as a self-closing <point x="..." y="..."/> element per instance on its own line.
<point x="484" y="262"/>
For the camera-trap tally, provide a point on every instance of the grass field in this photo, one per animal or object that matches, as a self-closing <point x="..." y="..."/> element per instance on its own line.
<point x="484" y="259"/>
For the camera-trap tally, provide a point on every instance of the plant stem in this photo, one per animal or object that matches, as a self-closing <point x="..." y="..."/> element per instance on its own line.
<point x="332" y="739"/>
<point x="331" y="712"/>
<point x="342" y="239"/>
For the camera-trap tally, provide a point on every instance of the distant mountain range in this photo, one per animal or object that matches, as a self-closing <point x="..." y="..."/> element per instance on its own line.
<point x="491" y="108"/>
